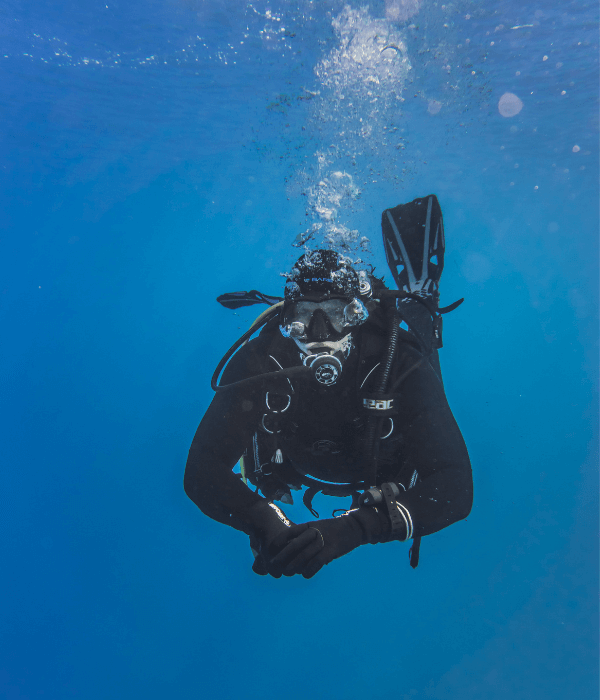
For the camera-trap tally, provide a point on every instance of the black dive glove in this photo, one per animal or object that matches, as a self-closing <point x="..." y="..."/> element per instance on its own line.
<point x="267" y="523"/>
<point x="305" y="549"/>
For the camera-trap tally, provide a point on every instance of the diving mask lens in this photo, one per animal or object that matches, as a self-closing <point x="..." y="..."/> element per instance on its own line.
<point x="343" y="314"/>
<point x="295" y="329"/>
<point x="355" y="313"/>
<point x="340" y="313"/>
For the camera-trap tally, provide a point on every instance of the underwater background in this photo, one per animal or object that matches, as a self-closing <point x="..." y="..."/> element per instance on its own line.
<point x="155" y="155"/>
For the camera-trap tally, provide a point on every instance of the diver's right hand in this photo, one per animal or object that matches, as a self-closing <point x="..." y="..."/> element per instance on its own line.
<point x="269" y="524"/>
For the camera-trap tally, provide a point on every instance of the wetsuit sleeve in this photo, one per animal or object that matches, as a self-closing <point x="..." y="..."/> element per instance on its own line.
<point x="434" y="448"/>
<point x="220" y="441"/>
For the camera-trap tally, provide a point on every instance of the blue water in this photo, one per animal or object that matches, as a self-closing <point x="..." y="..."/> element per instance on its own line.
<point x="154" y="155"/>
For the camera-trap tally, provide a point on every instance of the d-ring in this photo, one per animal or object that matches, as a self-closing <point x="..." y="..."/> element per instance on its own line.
<point x="283" y="410"/>
<point x="391" y="429"/>
<point x="262" y="421"/>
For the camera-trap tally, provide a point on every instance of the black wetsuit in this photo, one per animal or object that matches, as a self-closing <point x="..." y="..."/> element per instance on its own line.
<point x="320" y="433"/>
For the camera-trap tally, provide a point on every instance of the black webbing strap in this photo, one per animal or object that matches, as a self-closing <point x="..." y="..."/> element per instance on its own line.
<point x="413" y="552"/>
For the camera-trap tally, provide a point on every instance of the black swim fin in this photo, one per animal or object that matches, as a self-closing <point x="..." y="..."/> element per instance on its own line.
<point x="413" y="238"/>
<point x="235" y="300"/>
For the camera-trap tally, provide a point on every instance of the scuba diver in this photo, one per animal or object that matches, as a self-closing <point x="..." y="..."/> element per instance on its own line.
<point x="340" y="393"/>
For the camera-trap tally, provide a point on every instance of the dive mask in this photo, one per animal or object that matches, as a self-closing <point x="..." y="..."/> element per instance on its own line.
<point x="331" y="319"/>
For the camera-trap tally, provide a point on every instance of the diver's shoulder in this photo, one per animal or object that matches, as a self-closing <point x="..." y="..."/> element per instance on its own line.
<point x="408" y="342"/>
<point x="248" y="361"/>
<point x="374" y="339"/>
<point x="253" y="357"/>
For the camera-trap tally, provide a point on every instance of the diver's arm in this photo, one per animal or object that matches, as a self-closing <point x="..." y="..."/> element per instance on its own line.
<point x="219" y="493"/>
<point x="435" y="449"/>
<point x="221" y="439"/>
<point x="218" y="444"/>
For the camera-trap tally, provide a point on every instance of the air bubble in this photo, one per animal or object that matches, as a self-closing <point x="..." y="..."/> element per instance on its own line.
<point x="434" y="106"/>
<point x="509" y="105"/>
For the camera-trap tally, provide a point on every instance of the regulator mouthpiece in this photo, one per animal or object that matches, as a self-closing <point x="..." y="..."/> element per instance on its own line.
<point x="327" y="368"/>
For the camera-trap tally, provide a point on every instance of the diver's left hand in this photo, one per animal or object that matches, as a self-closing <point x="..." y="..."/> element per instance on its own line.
<point x="306" y="548"/>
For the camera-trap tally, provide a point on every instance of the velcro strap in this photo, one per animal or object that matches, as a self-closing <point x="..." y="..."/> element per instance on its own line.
<point x="379" y="404"/>
<point x="397" y="520"/>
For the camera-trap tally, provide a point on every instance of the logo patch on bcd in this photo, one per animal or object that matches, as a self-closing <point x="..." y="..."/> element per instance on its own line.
<point x="378" y="404"/>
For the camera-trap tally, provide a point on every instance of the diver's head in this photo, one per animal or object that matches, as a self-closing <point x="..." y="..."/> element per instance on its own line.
<point x="323" y="304"/>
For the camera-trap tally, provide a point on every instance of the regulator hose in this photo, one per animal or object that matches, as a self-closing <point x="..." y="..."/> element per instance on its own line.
<point x="262" y="320"/>
<point x="373" y="427"/>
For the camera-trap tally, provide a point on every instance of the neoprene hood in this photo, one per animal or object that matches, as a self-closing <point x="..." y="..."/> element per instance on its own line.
<point x="320" y="275"/>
